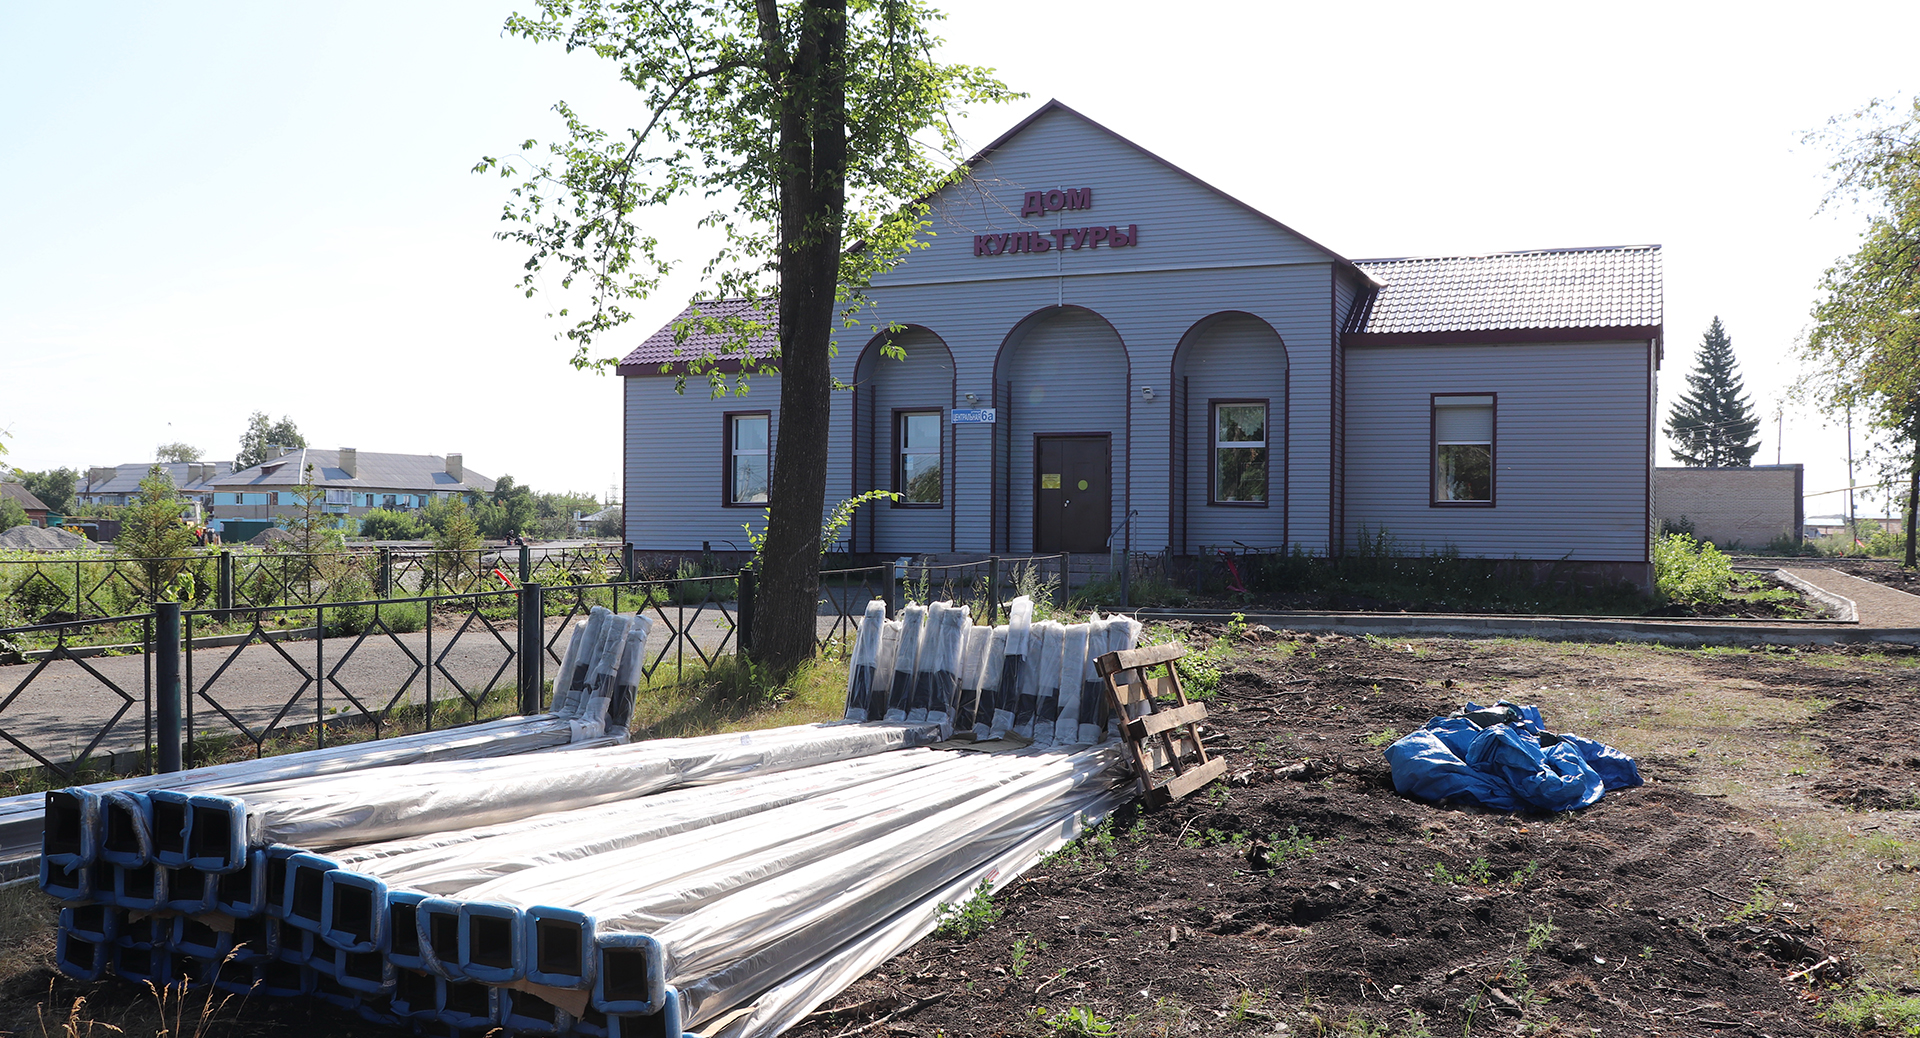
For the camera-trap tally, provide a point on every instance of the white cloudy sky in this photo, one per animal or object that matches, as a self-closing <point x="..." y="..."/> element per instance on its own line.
<point x="212" y="209"/>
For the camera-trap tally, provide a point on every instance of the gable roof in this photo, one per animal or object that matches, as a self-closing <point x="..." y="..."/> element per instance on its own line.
<point x="1607" y="291"/>
<point x="424" y="472"/>
<point x="686" y="337"/>
<point x="20" y="493"/>
<point x="126" y="478"/>
<point x="1055" y="105"/>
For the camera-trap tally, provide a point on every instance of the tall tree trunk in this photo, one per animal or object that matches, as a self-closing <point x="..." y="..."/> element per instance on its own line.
<point x="813" y="150"/>
<point x="1913" y="501"/>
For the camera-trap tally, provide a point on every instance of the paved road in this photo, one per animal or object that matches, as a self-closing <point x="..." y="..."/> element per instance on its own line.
<point x="58" y="708"/>
<point x="1877" y="605"/>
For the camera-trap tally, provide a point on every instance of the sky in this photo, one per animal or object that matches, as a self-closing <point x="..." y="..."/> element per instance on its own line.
<point x="215" y="209"/>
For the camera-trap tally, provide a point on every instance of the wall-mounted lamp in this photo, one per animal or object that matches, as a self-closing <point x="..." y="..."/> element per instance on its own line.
<point x="972" y="399"/>
<point x="1146" y="392"/>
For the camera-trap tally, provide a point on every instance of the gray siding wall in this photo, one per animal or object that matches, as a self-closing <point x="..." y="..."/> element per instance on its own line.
<point x="1151" y="311"/>
<point x="1238" y="358"/>
<point x="675" y="470"/>
<point x="1571" y="453"/>
<point x="923" y="380"/>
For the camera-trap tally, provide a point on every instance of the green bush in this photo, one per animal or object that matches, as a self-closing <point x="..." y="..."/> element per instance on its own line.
<point x="382" y="524"/>
<point x="1688" y="570"/>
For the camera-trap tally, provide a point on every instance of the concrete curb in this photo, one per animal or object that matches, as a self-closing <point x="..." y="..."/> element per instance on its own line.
<point x="1841" y="606"/>
<point x="1560" y="628"/>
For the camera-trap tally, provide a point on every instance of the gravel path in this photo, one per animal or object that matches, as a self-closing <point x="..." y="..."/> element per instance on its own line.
<point x="1877" y="604"/>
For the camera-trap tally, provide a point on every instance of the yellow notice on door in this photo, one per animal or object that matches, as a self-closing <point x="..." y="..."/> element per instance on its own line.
<point x="1049" y="480"/>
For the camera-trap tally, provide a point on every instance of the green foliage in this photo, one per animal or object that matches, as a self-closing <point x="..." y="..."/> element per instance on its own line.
<point x="1538" y="934"/>
<point x="553" y="513"/>
<point x="1079" y="1022"/>
<point x="1881" y="1012"/>
<point x="1864" y="350"/>
<point x="1691" y="571"/>
<point x="1017" y="959"/>
<point x="613" y="524"/>
<point x="508" y="512"/>
<point x="153" y="533"/>
<point x="970" y="919"/>
<point x="382" y="524"/>
<point x="178" y="452"/>
<point x="12" y="514"/>
<point x="1200" y="672"/>
<point x="457" y="532"/>
<point x="55" y="488"/>
<point x="1713" y="423"/>
<point x="262" y="433"/>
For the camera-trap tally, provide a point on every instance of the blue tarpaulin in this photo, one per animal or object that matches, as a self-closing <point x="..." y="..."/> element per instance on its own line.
<point x="1504" y="758"/>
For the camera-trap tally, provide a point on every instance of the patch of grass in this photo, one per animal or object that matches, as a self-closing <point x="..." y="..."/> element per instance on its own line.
<point x="1878" y="1011"/>
<point x="1384" y="737"/>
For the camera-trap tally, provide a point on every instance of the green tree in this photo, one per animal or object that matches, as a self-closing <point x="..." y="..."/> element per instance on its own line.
<point x="807" y="123"/>
<point x="553" y="513"/>
<point x="177" y="452"/>
<point x="55" y="488"/>
<point x="1713" y="424"/>
<point x="611" y="525"/>
<point x="316" y="534"/>
<point x="383" y="524"/>
<point x="509" y="511"/>
<point x="1864" y="350"/>
<point x="262" y="433"/>
<point x="152" y="532"/>
<point x="12" y="514"/>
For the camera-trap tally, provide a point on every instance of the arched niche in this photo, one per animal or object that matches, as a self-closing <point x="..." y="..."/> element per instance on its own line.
<point x="1061" y="383"/>
<point x="898" y="400"/>
<point x="1226" y="486"/>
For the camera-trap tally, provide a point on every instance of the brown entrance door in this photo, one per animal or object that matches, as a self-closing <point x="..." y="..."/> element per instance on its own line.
<point x="1073" y="499"/>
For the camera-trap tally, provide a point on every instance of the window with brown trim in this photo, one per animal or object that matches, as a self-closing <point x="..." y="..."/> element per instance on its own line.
<point x="1238" y="473"/>
<point x="1463" y="440"/>
<point x="917" y="475"/>
<point x="747" y="456"/>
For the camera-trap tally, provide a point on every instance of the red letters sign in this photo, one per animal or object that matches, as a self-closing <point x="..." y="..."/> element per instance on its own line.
<point x="1040" y="203"/>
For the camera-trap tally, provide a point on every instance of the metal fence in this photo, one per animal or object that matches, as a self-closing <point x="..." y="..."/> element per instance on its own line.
<point x="92" y="586"/>
<point x="179" y="686"/>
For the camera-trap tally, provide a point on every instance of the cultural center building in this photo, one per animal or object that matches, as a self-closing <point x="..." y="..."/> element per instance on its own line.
<point x="1099" y="351"/>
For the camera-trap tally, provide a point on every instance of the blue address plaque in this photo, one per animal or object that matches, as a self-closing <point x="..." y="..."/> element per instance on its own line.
<point x="974" y="415"/>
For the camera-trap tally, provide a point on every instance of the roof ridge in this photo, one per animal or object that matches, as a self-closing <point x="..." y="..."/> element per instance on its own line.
<point x="1567" y="250"/>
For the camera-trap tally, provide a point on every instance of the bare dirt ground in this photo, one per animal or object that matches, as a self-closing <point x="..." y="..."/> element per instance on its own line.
<point x="1779" y="832"/>
<point x="1766" y="875"/>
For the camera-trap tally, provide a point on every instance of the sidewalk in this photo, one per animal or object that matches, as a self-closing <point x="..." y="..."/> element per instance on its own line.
<point x="1876" y="605"/>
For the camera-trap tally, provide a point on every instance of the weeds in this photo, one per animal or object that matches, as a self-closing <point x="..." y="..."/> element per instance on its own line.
<point x="1538" y="934"/>
<point x="1878" y="1011"/>
<point x="972" y="918"/>
<point x="1078" y="1021"/>
<point x="1017" y="962"/>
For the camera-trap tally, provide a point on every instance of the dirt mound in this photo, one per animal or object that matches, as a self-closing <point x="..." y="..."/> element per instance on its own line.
<point x="35" y="538"/>
<point x="271" y="535"/>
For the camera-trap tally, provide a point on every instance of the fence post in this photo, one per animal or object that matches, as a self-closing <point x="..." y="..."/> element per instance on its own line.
<point x="166" y="666"/>
<point x="526" y="564"/>
<point x="1066" y="578"/>
<point x="626" y="562"/>
<point x="893" y="590"/>
<point x="383" y="582"/>
<point x="223" y="583"/>
<point x="532" y="648"/>
<point x="993" y="590"/>
<point x="744" y="617"/>
<point x="1126" y="577"/>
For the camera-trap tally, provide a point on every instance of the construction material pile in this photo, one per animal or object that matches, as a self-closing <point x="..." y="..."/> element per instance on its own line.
<point x="731" y="882"/>
<point x="593" y="701"/>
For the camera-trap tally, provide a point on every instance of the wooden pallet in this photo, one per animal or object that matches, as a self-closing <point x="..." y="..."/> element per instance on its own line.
<point x="1158" y="735"/>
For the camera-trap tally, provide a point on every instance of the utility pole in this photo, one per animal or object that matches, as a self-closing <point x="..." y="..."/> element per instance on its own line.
<point x="1779" y="430"/>
<point x="1853" y="529"/>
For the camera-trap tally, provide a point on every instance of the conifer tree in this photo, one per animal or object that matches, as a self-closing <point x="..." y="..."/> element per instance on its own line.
<point x="1714" y="424"/>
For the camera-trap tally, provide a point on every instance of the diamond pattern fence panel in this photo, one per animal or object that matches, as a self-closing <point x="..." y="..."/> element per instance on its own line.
<point x="79" y="702"/>
<point x="331" y="672"/>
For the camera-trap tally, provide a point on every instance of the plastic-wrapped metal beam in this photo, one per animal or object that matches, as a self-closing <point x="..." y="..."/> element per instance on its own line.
<point x="973" y="664"/>
<point x="913" y="622"/>
<point x="796" y="996"/>
<point x="1012" y="665"/>
<point x="866" y="653"/>
<point x="739" y="945"/>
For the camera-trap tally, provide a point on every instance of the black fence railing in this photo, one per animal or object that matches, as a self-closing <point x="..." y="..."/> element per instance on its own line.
<point x="128" y="693"/>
